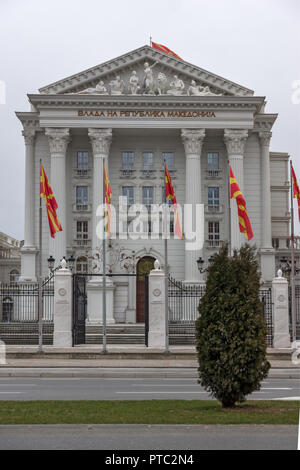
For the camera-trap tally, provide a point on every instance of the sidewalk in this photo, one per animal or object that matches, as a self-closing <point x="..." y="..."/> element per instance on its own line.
<point x="120" y="360"/>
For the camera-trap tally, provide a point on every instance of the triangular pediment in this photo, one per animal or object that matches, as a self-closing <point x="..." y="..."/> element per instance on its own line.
<point x="129" y="75"/>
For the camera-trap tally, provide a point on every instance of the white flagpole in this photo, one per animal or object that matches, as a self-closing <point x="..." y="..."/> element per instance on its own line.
<point x="166" y="268"/>
<point x="40" y="282"/>
<point x="104" y="350"/>
<point x="229" y="211"/>
<point x="292" y="280"/>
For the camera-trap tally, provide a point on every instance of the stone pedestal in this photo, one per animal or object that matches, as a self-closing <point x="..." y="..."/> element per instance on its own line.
<point x="95" y="301"/>
<point x="28" y="264"/>
<point x="157" y="314"/>
<point x="62" y="335"/>
<point x="130" y="313"/>
<point x="281" y="336"/>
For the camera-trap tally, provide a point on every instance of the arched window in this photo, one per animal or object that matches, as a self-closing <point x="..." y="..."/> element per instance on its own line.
<point x="81" y="265"/>
<point x="7" y="309"/>
<point x="14" y="275"/>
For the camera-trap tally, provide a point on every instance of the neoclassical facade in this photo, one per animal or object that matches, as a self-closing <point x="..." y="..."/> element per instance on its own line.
<point x="133" y="112"/>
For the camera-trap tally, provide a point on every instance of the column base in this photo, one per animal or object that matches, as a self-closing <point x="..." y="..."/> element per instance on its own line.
<point x="95" y="302"/>
<point x="281" y="340"/>
<point x="130" y="315"/>
<point x="267" y="263"/>
<point x="28" y="264"/>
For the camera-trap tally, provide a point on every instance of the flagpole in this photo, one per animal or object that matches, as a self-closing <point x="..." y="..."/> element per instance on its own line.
<point x="104" y="350"/>
<point x="229" y="211"/>
<point x="292" y="280"/>
<point x="40" y="294"/>
<point x="166" y="270"/>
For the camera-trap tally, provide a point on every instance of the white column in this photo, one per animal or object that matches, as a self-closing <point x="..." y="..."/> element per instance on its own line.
<point x="28" y="251"/>
<point x="266" y="234"/>
<point x="267" y="254"/>
<point x="58" y="142"/>
<point x="101" y="140"/>
<point x="235" y="143"/>
<point x="280" y="294"/>
<point x="193" y="141"/>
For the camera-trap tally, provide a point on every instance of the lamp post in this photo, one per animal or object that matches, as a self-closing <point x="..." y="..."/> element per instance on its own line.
<point x="286" y="266"/>
<point x="200" y="263"/>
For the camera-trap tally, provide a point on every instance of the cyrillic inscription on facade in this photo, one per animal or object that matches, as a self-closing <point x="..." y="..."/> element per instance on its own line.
<point x="143" y="114"/>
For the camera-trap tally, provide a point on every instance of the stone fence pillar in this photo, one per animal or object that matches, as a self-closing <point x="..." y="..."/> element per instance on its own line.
<point x="157" y="314"/>
<point x="280" y="293"/>
<point x="62" y="335"/>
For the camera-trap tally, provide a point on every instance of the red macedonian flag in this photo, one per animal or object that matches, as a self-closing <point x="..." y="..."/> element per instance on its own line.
<point x="244" y="221"/>
<point x="170" y="194"/>
<point x="296" y="190"/>
<point x="165" y="49"/>
<point x="51" y="205"/>
<point x="108" y="196"/>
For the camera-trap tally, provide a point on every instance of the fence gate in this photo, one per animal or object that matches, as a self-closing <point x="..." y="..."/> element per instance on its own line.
<point x="79" y="308"/>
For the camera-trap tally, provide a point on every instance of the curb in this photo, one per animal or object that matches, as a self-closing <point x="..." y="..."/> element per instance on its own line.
<point x="119" y="373"/>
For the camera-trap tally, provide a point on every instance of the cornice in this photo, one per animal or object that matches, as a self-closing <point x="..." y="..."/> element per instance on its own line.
<point x="143" y="101"/>
<point x="75" y="82"/>
<point x="279" y="156"/>
<point x="30" y="121"/>
<point x="264" y="122"/>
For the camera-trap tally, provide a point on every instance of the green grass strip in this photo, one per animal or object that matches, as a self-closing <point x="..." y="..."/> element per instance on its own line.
<point x="147" y="412"/>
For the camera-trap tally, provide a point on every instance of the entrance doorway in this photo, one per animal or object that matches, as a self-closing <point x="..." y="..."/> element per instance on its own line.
<point x="144" y="266"/>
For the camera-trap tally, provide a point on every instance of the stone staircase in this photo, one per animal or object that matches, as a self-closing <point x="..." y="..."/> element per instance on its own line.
<point x="25" y="333"/>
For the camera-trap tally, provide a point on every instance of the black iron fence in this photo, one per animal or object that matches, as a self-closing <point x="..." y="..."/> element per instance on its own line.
<point x="265" y="295"/>
<point x="183" y="311"/>
<point x="184" y="301"/>
<point x="297" y="295"/>
<point x="19" y="312"/>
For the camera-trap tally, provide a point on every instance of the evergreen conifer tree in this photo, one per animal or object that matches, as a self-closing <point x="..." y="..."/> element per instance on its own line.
<point x="230" y="331"/>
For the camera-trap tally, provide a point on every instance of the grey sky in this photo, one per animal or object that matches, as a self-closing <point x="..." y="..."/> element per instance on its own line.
<point x="252" y="42"/>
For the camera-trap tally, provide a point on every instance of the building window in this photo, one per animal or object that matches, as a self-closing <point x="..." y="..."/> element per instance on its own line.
<point x="213" y="233"/>
<point x="168" y="158"/>
<point x="14" y="275"/>
<point x="7" y="309"/>
<point x="81" y="264"/>
<point x="147" y="196"/>
<point x="128" y="191"/>
<point x="82" y="233"/>
<point x="82" y="198"/>
<point x="127" y="163"/>
<point x="213" y="199"/>
<point x="147" y="161"/>
<point x="82" y="160"/>
<point x="213" y="164"/>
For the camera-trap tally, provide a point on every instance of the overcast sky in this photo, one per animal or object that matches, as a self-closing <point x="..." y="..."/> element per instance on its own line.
<point x="252" y="42"/>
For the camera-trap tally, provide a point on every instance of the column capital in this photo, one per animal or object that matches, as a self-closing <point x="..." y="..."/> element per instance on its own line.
<point x="29" y="135"/>
<point x="235" y="140"/>
<point x="265" y="137"/>
<point x="192" y="140"/>
<point x="58" y="139"/>
<point x="100" y="140"/>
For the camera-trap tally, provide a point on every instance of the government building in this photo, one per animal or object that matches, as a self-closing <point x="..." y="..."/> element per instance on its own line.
<point x="134" y="112"/>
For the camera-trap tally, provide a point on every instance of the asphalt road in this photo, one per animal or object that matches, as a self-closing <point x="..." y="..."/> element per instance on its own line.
<point x="155" y="437"/>
<point x="130" y="389"/>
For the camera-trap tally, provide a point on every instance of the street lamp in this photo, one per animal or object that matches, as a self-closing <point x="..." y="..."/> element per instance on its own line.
<point x="200" y="262"/>
<point x="71" y="262"/>
<point x="51" y="262"/>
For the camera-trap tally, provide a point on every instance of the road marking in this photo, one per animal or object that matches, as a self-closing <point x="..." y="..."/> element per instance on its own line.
<point x="17" y="385"/>
<point x="287" y="398"/>
<point x="152" y="393"/>
<point x="277" y="388"/>
<point x="11" y="392"/>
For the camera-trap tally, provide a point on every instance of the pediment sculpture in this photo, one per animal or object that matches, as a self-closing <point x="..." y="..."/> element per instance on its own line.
<point x="149" y="85"/>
